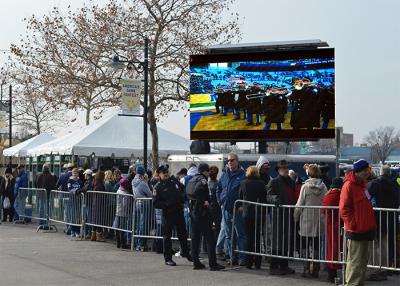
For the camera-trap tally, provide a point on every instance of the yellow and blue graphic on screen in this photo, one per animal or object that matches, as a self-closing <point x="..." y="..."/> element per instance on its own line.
<point x="270" y="79"/>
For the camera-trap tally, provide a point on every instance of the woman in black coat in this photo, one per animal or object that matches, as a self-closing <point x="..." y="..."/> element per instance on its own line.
<point x="252" y="189"/>
<point x="7" y="191"/>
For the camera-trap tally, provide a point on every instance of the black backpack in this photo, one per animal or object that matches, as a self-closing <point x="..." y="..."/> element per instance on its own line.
<point x="191" y="187"/>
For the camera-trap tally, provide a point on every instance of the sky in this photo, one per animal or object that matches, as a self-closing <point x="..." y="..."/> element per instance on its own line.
<point x="365" y="35"/>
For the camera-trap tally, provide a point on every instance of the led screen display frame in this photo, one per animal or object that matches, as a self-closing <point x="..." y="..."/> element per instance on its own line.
<point x="275" y="95"/>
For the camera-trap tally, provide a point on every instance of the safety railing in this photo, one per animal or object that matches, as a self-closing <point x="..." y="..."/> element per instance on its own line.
<point x="66" y="208"/>
<point x="148" y="222"/>
<point x="384" y="249"/>
<point x="296" y="233"/>
<point x="105" y="210"/>
<point x="33" y="205"/>
<point x="312" y="234"/>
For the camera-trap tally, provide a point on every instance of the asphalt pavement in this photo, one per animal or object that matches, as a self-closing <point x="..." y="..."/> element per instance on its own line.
<point x="35" y="258"/>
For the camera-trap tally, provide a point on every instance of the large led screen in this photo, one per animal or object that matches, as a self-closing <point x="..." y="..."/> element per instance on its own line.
<point x="283" y="95"/>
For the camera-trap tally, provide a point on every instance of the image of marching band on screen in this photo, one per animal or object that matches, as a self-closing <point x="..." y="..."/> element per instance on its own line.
<point x="263" y="95"/>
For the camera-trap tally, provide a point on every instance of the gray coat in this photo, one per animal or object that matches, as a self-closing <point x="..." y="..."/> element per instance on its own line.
<point x="311" y="220"/>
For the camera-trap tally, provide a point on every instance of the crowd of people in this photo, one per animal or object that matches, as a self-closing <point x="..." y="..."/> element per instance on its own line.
<point x="228" y="212"/>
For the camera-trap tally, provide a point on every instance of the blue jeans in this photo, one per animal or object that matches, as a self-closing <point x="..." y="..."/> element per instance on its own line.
<point x="66" y="201"/>
<point x="239" y="234"/>
<point x="42" y="206"/>
<point x="20" y="202"/>
<point x="142" y="215"/>
<point x="221" y="241"/>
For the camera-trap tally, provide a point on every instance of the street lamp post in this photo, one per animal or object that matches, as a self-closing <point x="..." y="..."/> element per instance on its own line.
<point x="118" y="63"/>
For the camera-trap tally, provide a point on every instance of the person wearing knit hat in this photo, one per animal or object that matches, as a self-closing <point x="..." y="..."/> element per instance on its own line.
<point x="203" y="168"/>
<point x="122" y="212"/>
<point x="356" y="211"/>
<point x="263" y="166"/>
<point x="198" y="192"/>
<point x="140" y="170"/>
<point x="333" y="226"/>
<point x="360" y="165"/>
<point x="141" y="190"/>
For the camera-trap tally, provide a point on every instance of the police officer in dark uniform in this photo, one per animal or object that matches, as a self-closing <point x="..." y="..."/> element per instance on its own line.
<point x="169" y="197"/>
<point x="198" y="194"/>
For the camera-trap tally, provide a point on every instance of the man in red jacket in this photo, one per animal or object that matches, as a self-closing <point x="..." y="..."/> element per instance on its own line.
<point x="358" y="215"/>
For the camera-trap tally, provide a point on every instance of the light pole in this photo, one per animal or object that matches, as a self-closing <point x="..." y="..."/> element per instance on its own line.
<point x="118" y="63"/>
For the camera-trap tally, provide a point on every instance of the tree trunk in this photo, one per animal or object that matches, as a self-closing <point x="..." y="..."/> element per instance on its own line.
<point x="154" y="135"/>
<point x="152" y="103"/>
<point x="88" y="109"/>
<point x="37" y="127"/>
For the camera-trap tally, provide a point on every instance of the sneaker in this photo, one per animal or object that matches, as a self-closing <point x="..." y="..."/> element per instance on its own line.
<point x="199" y="266"/>
<point x="170" y="263"/>
<point x="217" y="267"/>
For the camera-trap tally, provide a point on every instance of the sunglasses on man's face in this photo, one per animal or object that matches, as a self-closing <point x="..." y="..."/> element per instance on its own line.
<point x="231" y="160"/>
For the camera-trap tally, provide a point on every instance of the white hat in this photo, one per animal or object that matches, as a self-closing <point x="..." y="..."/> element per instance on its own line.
<point x="88" y="172"/>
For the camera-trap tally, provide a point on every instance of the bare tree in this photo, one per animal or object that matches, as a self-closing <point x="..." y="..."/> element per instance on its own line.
<point x="176" y="29"/>
<point x="31" y="111"/>
<point x="58" y="49"/>
<point x="383" y="141"/>
<point x="71" y="53"/>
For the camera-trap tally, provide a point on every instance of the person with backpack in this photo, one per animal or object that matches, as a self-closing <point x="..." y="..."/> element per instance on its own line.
<point x="198" y="194"/>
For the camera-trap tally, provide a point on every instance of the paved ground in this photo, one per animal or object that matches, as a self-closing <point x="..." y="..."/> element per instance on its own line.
<point x="30" y="258"/>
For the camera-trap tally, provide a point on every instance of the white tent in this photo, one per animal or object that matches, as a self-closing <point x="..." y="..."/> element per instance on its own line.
<point x="117" y="136"/>
<point x="21" y="149"/>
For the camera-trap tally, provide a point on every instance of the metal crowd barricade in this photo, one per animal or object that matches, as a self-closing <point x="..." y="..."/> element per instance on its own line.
<point x="309" y="238"/>
<point x="65" y="208"/>
<point x="36" y="207"/>
<point x="109" y="211"/>
<point x="315" y="234"/>
<point x="148" y="222"/>
<point x="384" y="250"/>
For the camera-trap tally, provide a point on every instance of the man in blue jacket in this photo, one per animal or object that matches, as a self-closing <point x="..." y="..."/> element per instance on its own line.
<point x="20" y="191"/>
<point x="228" y="193"/>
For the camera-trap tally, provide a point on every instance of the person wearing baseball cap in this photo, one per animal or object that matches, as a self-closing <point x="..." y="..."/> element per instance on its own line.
<point x="357" y="213"/>
<point x="199" y="195"/>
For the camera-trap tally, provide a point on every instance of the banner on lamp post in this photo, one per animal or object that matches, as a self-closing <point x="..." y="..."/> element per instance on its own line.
<point x="131" y="92"/>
